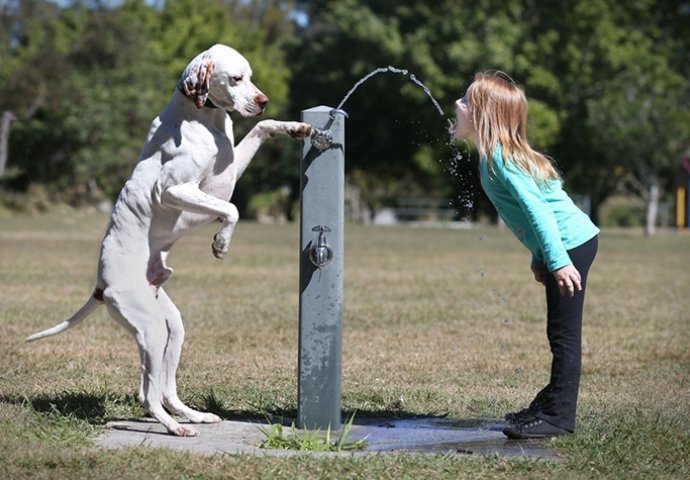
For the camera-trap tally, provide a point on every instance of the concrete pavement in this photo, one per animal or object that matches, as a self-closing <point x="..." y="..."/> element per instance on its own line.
<point x="383" y="436"/>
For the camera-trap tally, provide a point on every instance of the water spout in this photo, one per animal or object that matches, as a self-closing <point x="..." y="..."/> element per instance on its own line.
<point x="322" y="138"/>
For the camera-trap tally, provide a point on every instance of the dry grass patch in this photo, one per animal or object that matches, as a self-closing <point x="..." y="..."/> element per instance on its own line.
<point x="438" y="322"/>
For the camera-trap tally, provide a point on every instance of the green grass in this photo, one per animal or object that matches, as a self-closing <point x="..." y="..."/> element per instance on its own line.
<point x="316" y="440"/>
<point x="437" y="322"/>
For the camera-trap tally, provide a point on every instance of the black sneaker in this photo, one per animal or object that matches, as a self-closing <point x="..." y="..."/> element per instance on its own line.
<point x="515" y="418"/>
<point x="534" y="428"/>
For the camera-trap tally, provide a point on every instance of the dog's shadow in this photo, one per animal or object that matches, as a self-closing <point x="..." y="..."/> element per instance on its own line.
<point x="83" y="406"/>
<point x="90" y="407"/>
<point x="102" y="408"/>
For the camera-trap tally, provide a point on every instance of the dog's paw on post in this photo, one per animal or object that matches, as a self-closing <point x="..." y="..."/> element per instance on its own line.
<point x="298" y="129"/>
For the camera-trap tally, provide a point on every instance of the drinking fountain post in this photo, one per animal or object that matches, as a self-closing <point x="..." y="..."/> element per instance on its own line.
<point x="322" y="180"/>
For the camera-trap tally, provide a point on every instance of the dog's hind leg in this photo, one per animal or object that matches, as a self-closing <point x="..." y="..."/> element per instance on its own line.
<point x="171" y="361"/>
<point x="138" y="310"/>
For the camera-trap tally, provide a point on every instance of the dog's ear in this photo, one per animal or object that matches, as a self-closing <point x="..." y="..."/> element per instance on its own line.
<point x="196" y="79"/>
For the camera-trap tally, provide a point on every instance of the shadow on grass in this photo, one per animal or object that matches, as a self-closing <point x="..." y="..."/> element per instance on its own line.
<point x="286" y="415"/>
<point x="90" y="407"/>
<point x="101" y="408"/>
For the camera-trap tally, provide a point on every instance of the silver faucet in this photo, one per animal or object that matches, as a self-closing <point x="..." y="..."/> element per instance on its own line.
<point x="322" y="138"/>
<point x="320" y="252"/>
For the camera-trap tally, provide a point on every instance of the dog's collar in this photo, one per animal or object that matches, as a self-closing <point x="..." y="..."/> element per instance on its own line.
<point x="207" y="104"/>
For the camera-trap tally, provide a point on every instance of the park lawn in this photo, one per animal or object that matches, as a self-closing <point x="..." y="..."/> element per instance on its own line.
<point x="437" y="322"/>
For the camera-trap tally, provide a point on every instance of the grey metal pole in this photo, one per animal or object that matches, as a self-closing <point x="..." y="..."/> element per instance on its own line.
<point x="322" y="172"/>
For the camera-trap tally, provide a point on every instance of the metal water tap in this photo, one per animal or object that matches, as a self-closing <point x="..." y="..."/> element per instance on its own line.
<point x="320" y="252"/>
<point x="322" y="138"/>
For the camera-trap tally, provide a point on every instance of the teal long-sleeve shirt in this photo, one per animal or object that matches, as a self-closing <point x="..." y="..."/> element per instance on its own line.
<point x="543" y="217"/>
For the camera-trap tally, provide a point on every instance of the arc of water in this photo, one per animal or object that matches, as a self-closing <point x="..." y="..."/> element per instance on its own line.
<point x="389" y="69"/>
<point x="428" y="92"/>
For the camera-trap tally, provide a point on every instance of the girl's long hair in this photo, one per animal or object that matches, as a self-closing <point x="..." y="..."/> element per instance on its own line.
<point x="499" y="112"/>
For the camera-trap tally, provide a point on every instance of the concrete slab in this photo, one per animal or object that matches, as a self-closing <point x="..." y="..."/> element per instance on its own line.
<point x="383" y="436"/>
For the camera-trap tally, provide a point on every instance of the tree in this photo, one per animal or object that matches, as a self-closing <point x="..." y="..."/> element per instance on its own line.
<point x="86" y="79"/>
<point x="641" y="131"/>
<point x="85" y="73"/>
<point x="596" y="46"/>
<point x="6" y="120"/>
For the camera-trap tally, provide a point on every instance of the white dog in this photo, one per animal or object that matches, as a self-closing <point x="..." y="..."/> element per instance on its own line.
<point x="184" y="178"/>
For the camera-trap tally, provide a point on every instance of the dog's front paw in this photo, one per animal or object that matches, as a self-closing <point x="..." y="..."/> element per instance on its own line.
<point x="298" y="129"/>
<point x="220" y="246"/>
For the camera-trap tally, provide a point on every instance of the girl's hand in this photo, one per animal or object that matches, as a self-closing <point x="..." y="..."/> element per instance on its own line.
<point x="568" y="280"/>
<point x="539" y="272"/>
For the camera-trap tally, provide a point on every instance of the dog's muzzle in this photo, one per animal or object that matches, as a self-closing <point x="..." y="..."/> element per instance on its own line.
<point x="261" y="101"/>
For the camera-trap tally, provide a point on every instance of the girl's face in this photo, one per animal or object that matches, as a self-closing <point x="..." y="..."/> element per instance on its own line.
<point x="463" y="127"/>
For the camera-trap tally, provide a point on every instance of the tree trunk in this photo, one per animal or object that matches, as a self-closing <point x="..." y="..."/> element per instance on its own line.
<point x="652" y="207"/>
<point x="5" y="123"/>
<point x="594" y="207"/>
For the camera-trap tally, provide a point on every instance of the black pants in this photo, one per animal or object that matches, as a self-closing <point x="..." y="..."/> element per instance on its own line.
<point x="557" y="402"/>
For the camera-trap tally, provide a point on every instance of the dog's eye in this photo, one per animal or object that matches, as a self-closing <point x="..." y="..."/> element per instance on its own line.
<point x="237" y="79"/>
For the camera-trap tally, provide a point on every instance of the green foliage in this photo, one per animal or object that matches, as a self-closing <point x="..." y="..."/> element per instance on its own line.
<point x="620" y="212"/>
<point x="86" y="83"/>
<point x="606" y="82"/>
<point x="635" y="119"/>
<point x="565" y="54"/>
<point x="311" y="440"/>
<point x="274" y="204"/>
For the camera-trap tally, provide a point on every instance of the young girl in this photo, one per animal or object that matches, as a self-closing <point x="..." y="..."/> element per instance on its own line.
<point x="527" y="192"/>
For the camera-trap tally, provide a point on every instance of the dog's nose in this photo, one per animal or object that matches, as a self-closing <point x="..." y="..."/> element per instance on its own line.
<point x="261" y="100"/>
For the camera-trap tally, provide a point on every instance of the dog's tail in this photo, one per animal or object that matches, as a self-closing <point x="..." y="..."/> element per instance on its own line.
<point x="91" y="304"/>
